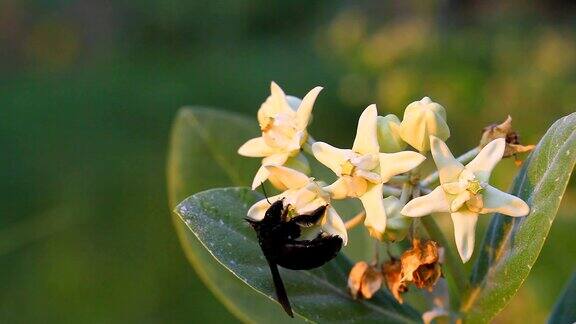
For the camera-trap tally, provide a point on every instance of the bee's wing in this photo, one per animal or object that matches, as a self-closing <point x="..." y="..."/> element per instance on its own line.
<point x="308" y="220"/>
<point x="279" y="286"/>
<point x="305" y="255"/>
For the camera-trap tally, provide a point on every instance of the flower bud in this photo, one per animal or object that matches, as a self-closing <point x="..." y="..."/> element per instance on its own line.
<point x="364" y="280"/>
<point x="389" y="134"/>
<point x="397" y="225"/>
<point x="421" y="119"/>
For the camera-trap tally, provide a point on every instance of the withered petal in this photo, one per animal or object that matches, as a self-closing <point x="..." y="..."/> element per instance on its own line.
<point x="355" y="278"/>
<point x="393" y="274"/>
<point x="371" y="283"/>
<point x="422" y="253"/>
<point x="504" y="130"/>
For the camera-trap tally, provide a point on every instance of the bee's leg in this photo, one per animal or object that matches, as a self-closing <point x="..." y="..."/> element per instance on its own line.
<point x="311" y="219"/>
<point x="285" y="211"/>
<point x="279" y="287"/>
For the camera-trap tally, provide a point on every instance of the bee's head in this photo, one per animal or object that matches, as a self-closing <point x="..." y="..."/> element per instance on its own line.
<point x="274" y="213"/>
<point x="272" y="216"/>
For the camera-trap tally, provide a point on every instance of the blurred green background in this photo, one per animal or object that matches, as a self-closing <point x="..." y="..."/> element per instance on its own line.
<point x="88" y="90"/>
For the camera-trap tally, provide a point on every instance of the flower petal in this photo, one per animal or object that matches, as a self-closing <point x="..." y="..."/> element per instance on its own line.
<point x="299" y="139"/>
<point x="501" y="202"/>
<point x="305" y="109"/>
<point x="276" y="159"/>
<point x="448" y="167"/>
<point x="464" y="232"/>
<point x="369" y="176"/>
<point x="258" y="210"/>
<point x="276" y="103"/>
<point x="276" y="90"/>
<point x="289" y="178"/>
<point x="306" y="201"/>
<point x="355" y="278"/>
<point x="375" y="210"/>
<point x="392" y="164"/>
<point x="357" y="186"/>
<point x="338" y="189"/>
<point x="260" y="177"/>
<point x="334" y="225"/>
<point x="487" y="159"/>
<point x="454" y="188"/>
<point x="366" y="161"/>
<point x="330" y="156"/>
<point x="459" y="200"/>
<point x="256" y="147"/>
<point x="366" y="140"/>
<point x="434" y="202"/>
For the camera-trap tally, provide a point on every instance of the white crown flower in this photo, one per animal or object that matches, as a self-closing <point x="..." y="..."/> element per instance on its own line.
<point x="363" y="170"/>
<point x="283" y="120"/>
<point x="303" y="196"/>
<point x="464" y="192"/>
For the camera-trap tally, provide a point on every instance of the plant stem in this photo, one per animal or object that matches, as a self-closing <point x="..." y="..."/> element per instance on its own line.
<point x="376" y="257"/>
<point x="406" y="193"/>
<point x="399" y="179"/>
<point x="464" y="158"/>
<point x="391" y="191"/>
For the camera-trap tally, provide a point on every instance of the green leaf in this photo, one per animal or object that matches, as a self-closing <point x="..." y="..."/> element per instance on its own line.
<point x="203" y="155"/>
<point x="216" y="217"/>
<point x="511" y="245"/>
<point x="565" y="308"/>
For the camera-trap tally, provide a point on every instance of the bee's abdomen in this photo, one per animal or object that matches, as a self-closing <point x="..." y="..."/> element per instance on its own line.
<point x="304" y="255"/>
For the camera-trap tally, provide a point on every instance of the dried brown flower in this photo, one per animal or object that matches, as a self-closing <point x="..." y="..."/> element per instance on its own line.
<point x="421" y="265"/>
<point x="504" y="130"/>
<point x="393" y="273"/>
<point x="364" y="280"/>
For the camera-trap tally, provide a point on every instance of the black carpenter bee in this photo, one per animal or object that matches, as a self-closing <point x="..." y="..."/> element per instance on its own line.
<point x="277" y="234"/>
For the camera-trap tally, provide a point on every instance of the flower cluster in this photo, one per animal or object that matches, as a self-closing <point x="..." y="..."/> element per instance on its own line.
<point x="382" y="169"/>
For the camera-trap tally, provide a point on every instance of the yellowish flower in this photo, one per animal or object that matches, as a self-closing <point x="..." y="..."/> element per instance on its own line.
<point x="303" y="196"/>
<point x="464" y="192"/>
<point x="283" y="120"/>
<point x="363" y="170"/>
